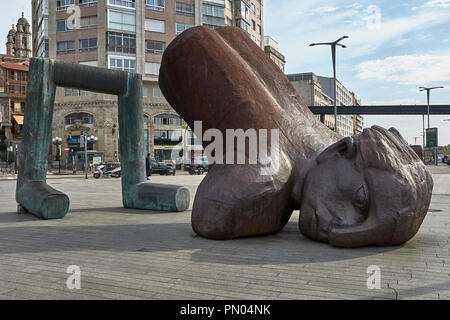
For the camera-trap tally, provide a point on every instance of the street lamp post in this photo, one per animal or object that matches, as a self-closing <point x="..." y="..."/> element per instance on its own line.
<point x="58" y="141"/>
<point x="428" y="112"/>
<point x="333" y="55"/>
<point x="428" y="99"/>
<point x="86" y="140"/>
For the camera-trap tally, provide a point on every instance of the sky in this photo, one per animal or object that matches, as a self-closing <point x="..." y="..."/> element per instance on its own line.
<point x="394" y="47"/>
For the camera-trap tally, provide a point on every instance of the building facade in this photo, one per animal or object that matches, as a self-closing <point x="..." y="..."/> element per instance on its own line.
<point x="310" y="90"/>
<point x="317" y="91"/>
<point x="344" y="97"/>
<point x="271" y="49"/>
<point x="125" y="35"/>
<point x="358" y="120"/>
<point x="13" y="82"/>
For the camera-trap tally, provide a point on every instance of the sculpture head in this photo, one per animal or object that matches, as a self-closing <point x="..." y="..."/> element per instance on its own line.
<point x="370" y="189"/>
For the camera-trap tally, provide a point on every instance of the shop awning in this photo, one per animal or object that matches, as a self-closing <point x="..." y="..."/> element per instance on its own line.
<point x="18" y="119"/>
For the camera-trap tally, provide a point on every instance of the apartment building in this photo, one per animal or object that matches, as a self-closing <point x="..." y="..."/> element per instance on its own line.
<point x="271" y="50"/>
<point x="310" y="90"/>
<point x="317" y="91"/>
<point x="129" y="35"/>
<point x="344" y="97"/>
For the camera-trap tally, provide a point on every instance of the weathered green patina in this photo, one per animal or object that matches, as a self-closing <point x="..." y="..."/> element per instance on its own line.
<point x="32" y="192"/>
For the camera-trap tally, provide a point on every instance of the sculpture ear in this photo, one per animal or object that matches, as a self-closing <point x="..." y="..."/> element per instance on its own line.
<point x="345" y="147"/>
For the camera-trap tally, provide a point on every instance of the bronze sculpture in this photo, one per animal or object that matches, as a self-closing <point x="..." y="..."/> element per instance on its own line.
<point x="33" y="194"/>
<point x="369" y="189"/>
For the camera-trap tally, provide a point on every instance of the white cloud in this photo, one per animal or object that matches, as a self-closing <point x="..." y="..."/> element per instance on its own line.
<point x="407" y="69"/>
<point x="326" y="9"/>
<point x="439" y="3"/>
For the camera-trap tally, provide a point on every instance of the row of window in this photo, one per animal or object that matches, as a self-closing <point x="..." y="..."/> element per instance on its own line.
<point x="64" y="4"/>
<point x="72" y="92"/>
<point x="214" y="11"/>
<point x="84" y="45"/>
<point x="64" y="25"/>
<point x="17" y="75"/>
<point x="162" y="119"/>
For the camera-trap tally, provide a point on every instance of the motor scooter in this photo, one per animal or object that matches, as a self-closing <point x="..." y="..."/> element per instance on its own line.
<point x="101" y="173"/>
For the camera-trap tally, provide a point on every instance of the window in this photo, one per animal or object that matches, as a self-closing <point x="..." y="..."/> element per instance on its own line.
<point x="258" y="13"/>
<point x="64" y="47"/>
<point x="61" y="25"/>
<point x="253" y="24"/>
<point x="152" y="68"/>
<point x="211" y="26"/>
<point x="122" y="63"/>
<point x="167" y="137"/>
<point x="123" y="3"/>
<point x="155" y="25"/>
<point x="167" y="119"/>
<point x="88" y="22"/>
<point x="245" y="11"/>
<point x="259" y="29"/>
<point x="181" y="27"/>
<point x="157" y="5"/>
<point x="84" y="117"/>
<point x="121" y="42"/>
<point x="244" y="25"/>
<point x="70" y="92"/>
<point x="214" y="11"/>
<point x="64" y="4"/>
<point x="122" y="21"/>
<point x="184" y="8"/>
<point x="253" y="8"/>
<point x="157" y="93"/>
<point x="218" y="1"/>
<point x="145" y="93"/>
<point x="87" y="3"/>
<point x="155" y="46"/>
<point x="85" y="45"/>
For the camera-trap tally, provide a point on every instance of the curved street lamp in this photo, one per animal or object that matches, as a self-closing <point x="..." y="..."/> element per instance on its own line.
<point x="333" y="55"/>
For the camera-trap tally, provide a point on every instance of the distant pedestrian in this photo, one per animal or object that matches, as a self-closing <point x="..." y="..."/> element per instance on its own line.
<point x="148" y="166"/>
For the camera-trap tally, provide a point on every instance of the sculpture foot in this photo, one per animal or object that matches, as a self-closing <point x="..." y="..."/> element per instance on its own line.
<point x="157" y="197"/>
<point x="43" y="201"/>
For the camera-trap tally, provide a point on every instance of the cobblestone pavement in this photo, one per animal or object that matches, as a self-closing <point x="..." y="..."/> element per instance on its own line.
<point x="133" y="254"/>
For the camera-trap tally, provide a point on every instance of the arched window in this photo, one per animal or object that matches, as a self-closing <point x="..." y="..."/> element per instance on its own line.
<point x="167" y="119"/>
<point x="84" y="117"/>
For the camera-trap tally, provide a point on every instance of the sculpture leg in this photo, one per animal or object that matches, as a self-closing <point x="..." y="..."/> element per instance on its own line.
<point x="137" y="193"/>
<point x="32" y="191"/>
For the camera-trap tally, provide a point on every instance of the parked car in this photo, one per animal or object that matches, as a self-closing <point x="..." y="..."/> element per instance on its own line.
<point x="162" y="169"/>
<point x="445" y="160"/>
<point x="198" y="165"/>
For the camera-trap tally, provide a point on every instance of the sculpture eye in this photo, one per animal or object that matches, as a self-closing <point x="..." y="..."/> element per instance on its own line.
<point x="361" y="200"/>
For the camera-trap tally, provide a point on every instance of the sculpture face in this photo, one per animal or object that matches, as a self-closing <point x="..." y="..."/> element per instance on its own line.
<point x="360" y="192"/>
<point x="335" y="193"/>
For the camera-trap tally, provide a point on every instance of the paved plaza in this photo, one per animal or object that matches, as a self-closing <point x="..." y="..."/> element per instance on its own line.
<point x="134" y="254"/>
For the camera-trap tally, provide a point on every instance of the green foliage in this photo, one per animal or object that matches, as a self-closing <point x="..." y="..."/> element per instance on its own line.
<point x="331" y="128"/>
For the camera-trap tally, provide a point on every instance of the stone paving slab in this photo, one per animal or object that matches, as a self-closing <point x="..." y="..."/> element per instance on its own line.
<point x="136" y="254"/>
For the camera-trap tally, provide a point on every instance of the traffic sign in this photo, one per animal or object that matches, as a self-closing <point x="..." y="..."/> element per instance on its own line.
<point x="66" y="149"/>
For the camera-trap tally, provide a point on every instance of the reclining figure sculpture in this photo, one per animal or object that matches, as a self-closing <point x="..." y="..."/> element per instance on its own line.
<point x="33" y="194"/>
<point x="369" y="189"/>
